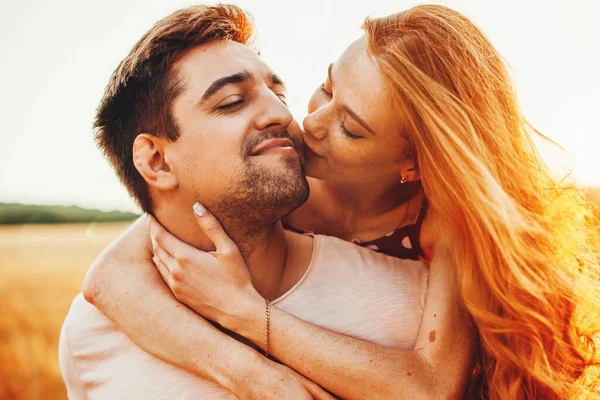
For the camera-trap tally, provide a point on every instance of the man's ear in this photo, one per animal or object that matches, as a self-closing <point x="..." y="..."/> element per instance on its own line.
<point x="149" y="160"/>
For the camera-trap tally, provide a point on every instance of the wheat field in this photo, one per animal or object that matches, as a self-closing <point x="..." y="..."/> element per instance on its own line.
<point x="42" y="268"/>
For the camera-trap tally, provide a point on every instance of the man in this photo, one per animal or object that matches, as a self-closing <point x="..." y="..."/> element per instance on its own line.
<point x="192" y="114"/>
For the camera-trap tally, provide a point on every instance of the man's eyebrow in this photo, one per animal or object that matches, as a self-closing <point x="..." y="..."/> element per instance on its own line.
<point x="220" y="83"/>
<point x="348" y="110"/>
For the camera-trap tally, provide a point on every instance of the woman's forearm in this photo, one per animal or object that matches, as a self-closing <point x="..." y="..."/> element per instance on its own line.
<point x="349" y="367"/>
<point x="136" y="299"/>
<point x="126" y="287"/>
<point x="439" y="367"/>
<point x="149" y="315"/>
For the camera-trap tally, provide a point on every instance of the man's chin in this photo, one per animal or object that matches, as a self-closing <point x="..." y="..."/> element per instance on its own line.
<point x="293" y="199"/>
<point x="278" y="181"/>
<point x="287" y="167"/>
<point x="290" y="188"/>
<point x="290" y="159"/>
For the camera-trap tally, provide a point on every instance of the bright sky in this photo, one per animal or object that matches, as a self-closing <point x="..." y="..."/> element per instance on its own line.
<point x="57" y="57"/>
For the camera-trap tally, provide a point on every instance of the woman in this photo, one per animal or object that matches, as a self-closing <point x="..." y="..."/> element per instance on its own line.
<point x="424" y="96"/>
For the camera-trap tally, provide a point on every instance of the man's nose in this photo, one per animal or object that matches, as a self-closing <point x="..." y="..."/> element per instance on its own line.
<point x="273" y="113"/>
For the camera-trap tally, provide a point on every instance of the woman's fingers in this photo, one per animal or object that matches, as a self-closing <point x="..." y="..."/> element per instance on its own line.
<point x="163" y="270"/>
<point x="212" y="228"/>
<point x="177" y="288"/>
<point x="164" y="257"/>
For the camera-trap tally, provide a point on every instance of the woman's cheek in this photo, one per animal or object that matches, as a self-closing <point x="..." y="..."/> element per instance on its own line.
<point x="361" y="159"/>
<point x="343" y="154"/>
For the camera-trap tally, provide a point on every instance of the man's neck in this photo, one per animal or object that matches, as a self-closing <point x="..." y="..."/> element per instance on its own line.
<point x="264" y="248"/>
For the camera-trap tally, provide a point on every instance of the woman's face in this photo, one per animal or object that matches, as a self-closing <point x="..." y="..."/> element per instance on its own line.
<point x="352" y="130"/>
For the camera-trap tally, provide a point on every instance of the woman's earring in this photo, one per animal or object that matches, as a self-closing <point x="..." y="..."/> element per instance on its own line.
<point x="403" y="180"/>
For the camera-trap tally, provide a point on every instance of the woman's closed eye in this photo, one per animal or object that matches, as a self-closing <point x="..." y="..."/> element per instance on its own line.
<point x="348" y="133"/>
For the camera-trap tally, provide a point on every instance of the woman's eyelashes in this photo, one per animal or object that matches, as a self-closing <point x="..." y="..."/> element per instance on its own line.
<point x="347" y="132"/>
<point x="343" y="128"/>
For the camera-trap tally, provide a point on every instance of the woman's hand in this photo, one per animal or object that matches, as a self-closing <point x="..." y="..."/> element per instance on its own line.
<point x="216" y="285"/>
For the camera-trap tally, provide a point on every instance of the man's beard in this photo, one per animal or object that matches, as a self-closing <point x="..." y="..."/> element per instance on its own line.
<point x="265" y="195"/>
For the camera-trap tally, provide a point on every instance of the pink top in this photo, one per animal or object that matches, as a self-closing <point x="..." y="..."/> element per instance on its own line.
<point x="346" y="288"/>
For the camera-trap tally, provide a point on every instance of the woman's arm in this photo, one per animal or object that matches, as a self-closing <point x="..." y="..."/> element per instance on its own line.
<point x="439" y="367"/>
<point x="125" y="286"/>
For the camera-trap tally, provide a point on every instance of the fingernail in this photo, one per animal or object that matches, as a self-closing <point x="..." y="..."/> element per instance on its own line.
<point x="199" y="209"/>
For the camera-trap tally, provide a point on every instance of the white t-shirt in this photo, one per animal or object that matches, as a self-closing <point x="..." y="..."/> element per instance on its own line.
<point x="346" y="288"/>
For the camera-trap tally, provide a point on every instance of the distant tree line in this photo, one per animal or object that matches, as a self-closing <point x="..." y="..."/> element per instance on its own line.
<point x="14" y="213"/>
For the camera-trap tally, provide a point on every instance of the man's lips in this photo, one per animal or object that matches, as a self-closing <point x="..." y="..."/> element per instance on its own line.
<point x="273" y="145"/>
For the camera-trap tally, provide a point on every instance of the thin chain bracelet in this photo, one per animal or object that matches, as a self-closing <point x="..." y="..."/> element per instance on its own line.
<point x="267" y="325"/>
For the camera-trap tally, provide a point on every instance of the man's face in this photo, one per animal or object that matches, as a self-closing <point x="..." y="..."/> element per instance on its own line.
<point x="234" y="153"/>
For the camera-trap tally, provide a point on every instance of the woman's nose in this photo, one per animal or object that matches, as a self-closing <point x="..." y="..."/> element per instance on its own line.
<point x="315" y="124"/>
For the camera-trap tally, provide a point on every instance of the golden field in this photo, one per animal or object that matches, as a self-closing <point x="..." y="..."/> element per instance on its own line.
<point x="42" y="268"/>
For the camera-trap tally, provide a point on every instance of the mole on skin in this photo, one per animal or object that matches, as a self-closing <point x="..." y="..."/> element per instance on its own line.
<point x="432" y="336"/>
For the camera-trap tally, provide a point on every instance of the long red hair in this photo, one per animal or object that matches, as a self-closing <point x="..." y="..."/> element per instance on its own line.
<point x="524" y="244"/>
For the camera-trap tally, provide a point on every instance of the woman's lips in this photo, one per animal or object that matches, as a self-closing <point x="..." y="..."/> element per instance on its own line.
<point x="308" y="152"/>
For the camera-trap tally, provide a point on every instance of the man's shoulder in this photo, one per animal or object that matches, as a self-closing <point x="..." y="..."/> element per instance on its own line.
<point x="98" y="360"/>
<point x="81" y="340"/>
<point x="86" y="330"/>
<point x="83" y="316"/>
<point x="80" y="306"/>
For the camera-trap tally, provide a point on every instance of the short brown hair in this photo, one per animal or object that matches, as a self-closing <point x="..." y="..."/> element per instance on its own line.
<point x="140" y="92"/>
